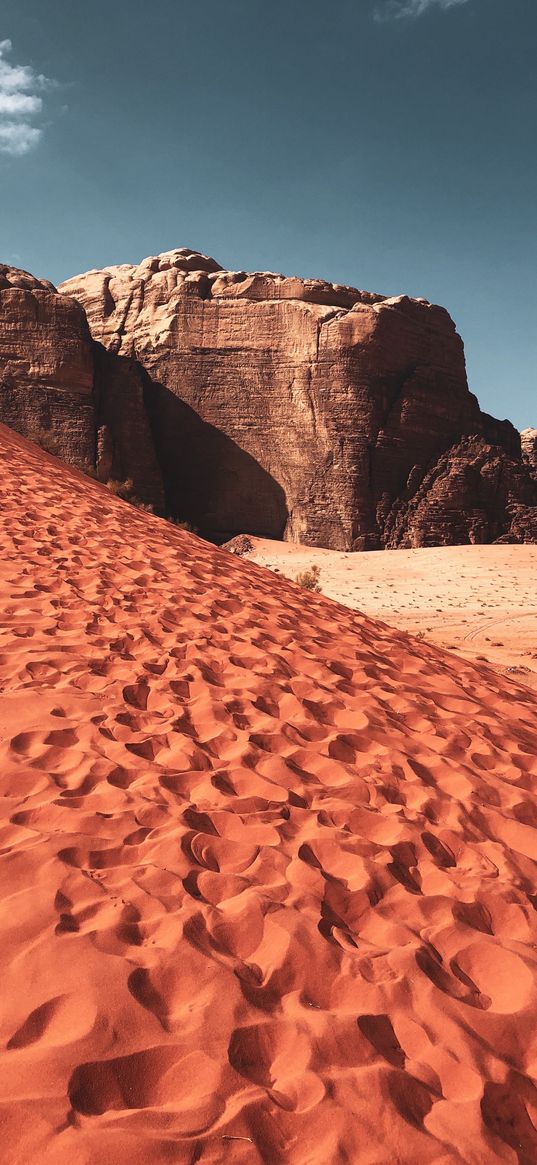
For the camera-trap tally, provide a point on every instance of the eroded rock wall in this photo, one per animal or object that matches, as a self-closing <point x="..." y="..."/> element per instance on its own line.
<point x="264" y="404"/>
<point x="124" y="443"/>
<point x="46" y="365"/>
<point x="64" y="390"/>
<point x="279" y="406"/>
<point x="528" y="440"/>
<point x="475" y="493"/>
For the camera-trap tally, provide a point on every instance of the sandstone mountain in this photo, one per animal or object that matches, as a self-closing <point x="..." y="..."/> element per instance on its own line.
<point x="474" y="493"/>
<point x="256" y="403"/>
<point x="307" y="410"/>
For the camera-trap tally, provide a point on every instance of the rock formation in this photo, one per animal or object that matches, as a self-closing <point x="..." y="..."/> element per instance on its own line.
<point x="474" y="493"/>
<point x="528" y="441"/>
<point x="61" y="388"/>
<point x="297" y="408"/>
<point x="46" y="365"/>
<point x="124" y="442"/>
<point x="267" y="405"/>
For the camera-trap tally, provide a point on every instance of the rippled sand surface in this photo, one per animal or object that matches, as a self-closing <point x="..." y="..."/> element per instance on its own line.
<point x="267" y="882"/>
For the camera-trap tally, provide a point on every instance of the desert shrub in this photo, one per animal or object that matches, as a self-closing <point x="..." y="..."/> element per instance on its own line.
<point x="309" y="579"/>
<point x="47" y="441"/>
<point x="125" y="491"/>
<point x="121" y="489"/>
<point x="183" y="524"/>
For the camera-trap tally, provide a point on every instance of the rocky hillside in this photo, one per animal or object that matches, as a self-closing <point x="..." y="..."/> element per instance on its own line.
<point x="276" y="406"/>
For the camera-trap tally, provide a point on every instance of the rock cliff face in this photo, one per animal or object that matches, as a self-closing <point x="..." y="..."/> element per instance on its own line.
<point x="46" y="365"/>
<point x="286" y="407"/>
<point x="528" y="441"/>
<point x="263" y="404"/>
<point x="124" y="442"/>
<point x="58" y="385"/>
<point x="474" y="493"/>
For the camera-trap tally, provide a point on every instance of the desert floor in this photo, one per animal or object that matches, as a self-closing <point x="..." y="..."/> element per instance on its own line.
<point x="267" y="866"/>
<point x="480" y="601"/>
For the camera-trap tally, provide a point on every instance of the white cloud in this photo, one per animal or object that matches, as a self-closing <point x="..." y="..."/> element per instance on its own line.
<point x="20" y="103"/>
<point x="411" y="9"/>
<point x="20" y="88"/>
<point x="17" y="138"/>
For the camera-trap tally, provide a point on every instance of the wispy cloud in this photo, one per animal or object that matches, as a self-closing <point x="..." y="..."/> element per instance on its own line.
<point x="20" y="102"/>
<point x="411" y="9"/>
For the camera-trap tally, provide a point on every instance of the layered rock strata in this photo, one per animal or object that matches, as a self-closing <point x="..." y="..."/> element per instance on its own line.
<point x="475" y="493"/>
<point x="46" y="365"/>
<point x="262" y="404"/>
<point x="286" y="407"/>
<point x="65" y="391"/>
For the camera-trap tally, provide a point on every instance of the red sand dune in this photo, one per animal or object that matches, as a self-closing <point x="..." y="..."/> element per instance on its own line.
<point x="267" y="888"/>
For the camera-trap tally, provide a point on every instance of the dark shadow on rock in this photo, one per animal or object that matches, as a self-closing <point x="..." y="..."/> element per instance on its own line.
<point x="208" y="479"/>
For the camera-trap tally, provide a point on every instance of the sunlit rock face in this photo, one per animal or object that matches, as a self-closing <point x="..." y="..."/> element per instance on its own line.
<point x="283" y="406"/>
<point x="528" y="441"/>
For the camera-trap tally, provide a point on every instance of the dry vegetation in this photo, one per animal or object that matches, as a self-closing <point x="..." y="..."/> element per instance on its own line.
<point x="309" y="579"/>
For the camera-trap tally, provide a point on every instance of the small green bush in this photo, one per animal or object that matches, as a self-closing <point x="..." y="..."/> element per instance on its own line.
<point x="309" y="579"/>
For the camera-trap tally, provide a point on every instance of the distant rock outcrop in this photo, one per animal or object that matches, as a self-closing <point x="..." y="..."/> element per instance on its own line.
<point x="474" y="493"/>
<point x="256" y="403"/>
<point x="293" y="407"/>
<point x="528" y="441"/>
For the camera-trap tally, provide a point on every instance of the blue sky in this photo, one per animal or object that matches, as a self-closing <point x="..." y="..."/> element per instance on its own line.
<point x="389" y="144"/>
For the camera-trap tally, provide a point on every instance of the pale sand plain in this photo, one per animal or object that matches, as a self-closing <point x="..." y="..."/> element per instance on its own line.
<point x="267" y="877"/>
<point x="480" y="601"/>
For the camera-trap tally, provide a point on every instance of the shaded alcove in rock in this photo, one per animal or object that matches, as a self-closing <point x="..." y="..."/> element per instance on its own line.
<point x="208" y="479"/>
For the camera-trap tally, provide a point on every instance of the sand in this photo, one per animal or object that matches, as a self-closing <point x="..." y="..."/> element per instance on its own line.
<point x="267" y="884"/>
<point x="480" y="601"/>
